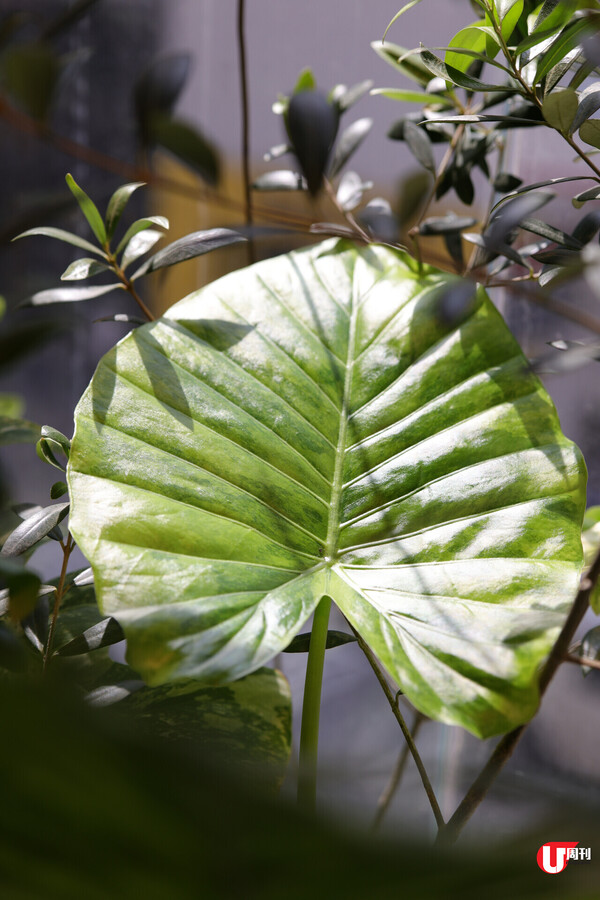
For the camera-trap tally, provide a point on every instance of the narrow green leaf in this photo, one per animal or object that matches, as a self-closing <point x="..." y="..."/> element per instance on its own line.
<point x="400" y="12"/>
<point x="64" y="236"/>
<point x="272" y="441"/>
<point x="89" y="210"/>
<point x="17" y="431"/>
<point x="449" y="73"/>
<point x="589" y="103"/>
<point x="445" y="224"/>
<point x="141" y="225"/>
<point x="560" y="108"/>
<point x="139" y="244"/>
<point x="69" y="294"/>
<point x="419" y="145"/>
<point x="591" y="194"/>
<point x="103" y="634"/>
<point x="58" y="489"/>
<point x="420" y="97"/>
<point x="539" y="184"/>
<point x="348" y="143"/>
<point x="33" y="529"/>
<point x="536" y="226"/>
<point x="568" y="41"/>
<point x="84" y="268"/>
<point x="195" y="244"/>
<point x="117" y="204"/>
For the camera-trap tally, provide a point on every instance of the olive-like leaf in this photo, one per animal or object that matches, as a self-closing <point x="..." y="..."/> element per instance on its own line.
<point x="317" y="425"/>
<point x="560" y="108"/>
<point x="58" y="489"/>
<point x="84" y="268"/>
<point x="568" y="41"/>
<point x="142" y="225"/>
<point x="88" y="208"/>
<point x="348" y="97"/>
<point x="140" y="244"/>
<point x="419" y="145"/>
<point x="588" y="104"/>
<point x="69" y="294"/>
<point x="312" y="123"/>
<point x="348" y="143"/>
<point x="61" y="235"/>
<point x="195" y="244"/>
<point x="117" y="204"/>
<point x="102" y="634"/>
<point x="280" y="180"/>
<point x="412" y="96"/>
<point x="33" y="529"/>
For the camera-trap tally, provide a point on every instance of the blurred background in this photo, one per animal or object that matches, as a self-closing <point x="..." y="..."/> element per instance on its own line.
<point x="77" y="82"/>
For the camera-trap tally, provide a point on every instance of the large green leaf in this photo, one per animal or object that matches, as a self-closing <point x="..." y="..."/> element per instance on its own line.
<point x="332" y="422"/>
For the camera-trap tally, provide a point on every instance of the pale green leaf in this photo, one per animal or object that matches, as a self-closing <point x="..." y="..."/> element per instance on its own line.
<point x="400" y="12"/>
<point x="61" y="235"/>
<point x="559" y="109"/>
<point x="332" y="422"/>
<point x="413" y="97"/>
<point x="141" y="225"/>
<point x="590" y="132"/>
<point x="117" y="204"/>
<point x="84" y="268"/>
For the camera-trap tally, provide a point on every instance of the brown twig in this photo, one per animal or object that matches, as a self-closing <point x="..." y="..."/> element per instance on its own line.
<point x="67" y="548"/>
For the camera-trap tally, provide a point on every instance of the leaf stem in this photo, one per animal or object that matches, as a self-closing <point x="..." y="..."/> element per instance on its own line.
<point x="241" y="34"/>
<point x="67" y="548"/>
<point x="311" y="707"/>
<point x="392" y="700"/>
<point x="393" y="784"/>
<point x="505" y="747"/>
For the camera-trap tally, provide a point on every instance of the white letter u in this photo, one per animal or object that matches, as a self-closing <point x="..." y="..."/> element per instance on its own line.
<point x="560" y="860"/>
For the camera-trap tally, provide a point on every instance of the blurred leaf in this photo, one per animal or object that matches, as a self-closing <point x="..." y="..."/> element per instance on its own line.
<point x="280" y="180"/>
<point x="305" y="82"/>
<point x="379" y="220"/>
<point x="587" y="228"/>
<point x="117" y="204"/>
<point x="61" y="235"/>
<point x="463" y="185"/>
<point x="33" y="529"/>
<point x="277" y="151"/>
<point x="301" y="643"/>
<point x="505" y="182"/>
<point x="538" y="184"/>
<point x="510" y="214"/>
<point x="589" y="103"/>
<point x="348" y="143"/>
<point x="591" y="194"/>
<point x="400" y="12"/>
<point x="21" y="593"/>
<point x="89" y="209"/>
<point x="590" y="132"/>
<point x="560" y="108"/>
<point x="312" y="124"/>
<point x="109" y="694"/>
<point x="67" y="19"/>
<point x="17" y="431"/>
<point x="187" y="144"/>
<point x="69" y="294"/>
<point x="58" y="489"/>
<point x="159" y="87"/>
<point x="84" y="268"/>
<point x="536" y="226"/>
<point x="449" y="224"/>
<point x="103" y="634"/>
<point x="13" y="656"/>
<point x="352" y="95"/>
<point x="139" y="244"/>
<point x="141" y="225"/>
<point x="195" y="244"/>
<point x="11" y="405"/>
<point x="30" y="73"/>
<point x="83" y="578"/>
<point x="412" y="66"/>
<point x="590" y="647"/>
<point x="122" y="317"/>
<point x="590" y="538"/>
<point x="351" y="189"/>
<point x="419" y="145"/>
<point x="412" y="96"/>
<point x="556" y="257"/>
<point x="333" y="229"/>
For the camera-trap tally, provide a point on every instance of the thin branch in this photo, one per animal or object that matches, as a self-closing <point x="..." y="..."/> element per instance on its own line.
<point x="67" y="548"/>
<point x="245" y="122"/>
<point x="505" y="747"/>
<point x="582" y="661"/>
<point x="393" y="784"/>
<point x="404" y="728"/>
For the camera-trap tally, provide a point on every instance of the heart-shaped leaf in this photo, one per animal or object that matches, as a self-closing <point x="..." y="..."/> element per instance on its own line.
<point x="317" y="425"/>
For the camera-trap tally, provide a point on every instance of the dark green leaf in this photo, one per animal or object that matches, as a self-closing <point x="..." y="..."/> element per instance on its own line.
<point x="512" y="212"/>
<point x="69" y="294"/>
<point x="419" y="145"/>
<point x="84" y="268"/>
<point x="117" y="204"/>
<point x="33" y="529"/>
<point x="312" y="124"/>
<point x="17" y="431"/>
<point x="271" y="441"/>
<point x="556" y="257"/>
<point x="449" y="73"/>
<point x="445" y="224"/>
<point x="462" y="184"/>
<point x="587" y="228"/>
<point x="348" y="143"/>
<point x="30" y="73"/>
<point x="589" y="103"/>
<point x="103" y="634"/>
<point x="280" y="180"/>
<point x="187" y="144"/>
<point x="539" y="184"/>
<point x="536" y="226"/>
<point x="89" y="209"/>
<point x="504" y="182"/>
<point x="591" y="194"/>
<point x="141" y="225"/>
<point x="301" y="642"/>
<point x="158" y="89"/>
<point x="195" y="244"/>
<point x="569" y="40"/>
<point x="58" y="489"/>
<point x="560" y="108"/>
<point x="61" y="235"/>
